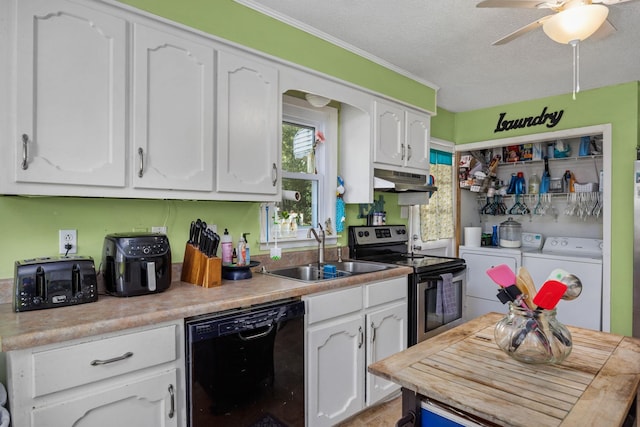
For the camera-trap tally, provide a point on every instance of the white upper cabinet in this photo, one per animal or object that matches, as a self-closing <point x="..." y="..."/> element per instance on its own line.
<point x="401" y="137"/>
<point x="389" y="134"/>
<point x="173" y="101"/>
<point x="71" y="83"/>
<point x="248" y="127"/>
<point x="417" y="140"/>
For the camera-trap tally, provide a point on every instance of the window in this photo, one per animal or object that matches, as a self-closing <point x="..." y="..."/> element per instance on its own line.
<point x="309" y="169"/>
<point x="435" y="222"/>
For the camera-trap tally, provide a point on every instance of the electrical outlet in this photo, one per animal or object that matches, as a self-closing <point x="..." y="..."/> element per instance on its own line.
<point x="68" y="237"/>
<point x="162" y="230"/>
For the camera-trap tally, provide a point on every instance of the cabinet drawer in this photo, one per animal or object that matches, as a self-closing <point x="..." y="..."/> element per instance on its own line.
<point x="334" y="304"/>
<point x="71" y="366"/>
<point x="387" y="291"/>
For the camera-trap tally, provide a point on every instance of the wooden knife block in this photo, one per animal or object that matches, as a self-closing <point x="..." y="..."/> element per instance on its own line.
<point x="200" y="270"/>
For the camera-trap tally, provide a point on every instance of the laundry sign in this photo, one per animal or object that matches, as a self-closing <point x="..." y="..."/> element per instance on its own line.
<point x="543" y="119"/>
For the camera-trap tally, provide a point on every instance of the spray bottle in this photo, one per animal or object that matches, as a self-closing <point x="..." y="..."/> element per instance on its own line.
<point x="242" y="251"/>
<point x="247" y="258"/>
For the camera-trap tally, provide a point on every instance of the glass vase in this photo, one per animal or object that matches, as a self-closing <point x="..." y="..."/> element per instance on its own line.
<point x="533" y="336"/>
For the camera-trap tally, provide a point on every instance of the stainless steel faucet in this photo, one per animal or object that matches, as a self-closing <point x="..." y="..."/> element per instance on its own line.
<point x="320" y="239"/>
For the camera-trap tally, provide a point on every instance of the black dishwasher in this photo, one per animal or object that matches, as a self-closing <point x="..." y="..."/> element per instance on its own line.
<point x="245" y="367"/>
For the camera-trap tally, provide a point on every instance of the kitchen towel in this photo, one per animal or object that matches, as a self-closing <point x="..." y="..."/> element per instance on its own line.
<point x="446" y="303"/>
<point x="472" y="236"/>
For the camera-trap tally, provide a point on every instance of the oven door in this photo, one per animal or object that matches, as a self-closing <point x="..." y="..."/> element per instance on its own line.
<point x="438" y="303"/>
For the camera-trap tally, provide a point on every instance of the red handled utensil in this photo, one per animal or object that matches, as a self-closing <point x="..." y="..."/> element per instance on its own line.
<point x="549" y="294"/>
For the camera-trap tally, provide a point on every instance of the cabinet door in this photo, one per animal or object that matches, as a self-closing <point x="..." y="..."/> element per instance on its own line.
<point x="335" y="371"/>
<point x="389" y="134"/>
<point x="386" y="335"/>
<point x="172" y="111"/>
<point x="147" y="402"/>
<point x="417" y="138"/>
<point x="71" y="95"/>
<point x="248" y="127"/>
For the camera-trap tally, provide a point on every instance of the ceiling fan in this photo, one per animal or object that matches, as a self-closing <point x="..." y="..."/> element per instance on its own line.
<point x="573" y="20"/>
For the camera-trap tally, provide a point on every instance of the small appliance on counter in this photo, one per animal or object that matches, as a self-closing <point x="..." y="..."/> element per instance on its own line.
<point x="54" y="282"/>
<point x="136" y="263"/>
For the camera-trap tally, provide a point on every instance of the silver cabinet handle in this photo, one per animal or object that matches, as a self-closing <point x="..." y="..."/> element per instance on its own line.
<point x="373" y="335"/>
<point x="25" y="151"/>
<point x="98" y="362"/>
<point x="141" y="156"/>
<point x="402" y="151"/>
<point x="361" y="337"/>
<point x="408" y="152"/>
<point x="274" y="174"/>
<point x="172" y="410"/>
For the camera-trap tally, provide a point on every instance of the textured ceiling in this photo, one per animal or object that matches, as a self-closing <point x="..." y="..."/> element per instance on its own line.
<point x="447" y="43"/>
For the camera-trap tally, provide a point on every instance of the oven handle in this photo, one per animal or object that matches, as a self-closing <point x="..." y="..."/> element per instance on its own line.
<point x="432" y="278"/>
<point x="258" y="335"/>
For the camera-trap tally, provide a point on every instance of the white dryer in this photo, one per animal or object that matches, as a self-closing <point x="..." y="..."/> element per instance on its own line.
<point x="579" y="256"/>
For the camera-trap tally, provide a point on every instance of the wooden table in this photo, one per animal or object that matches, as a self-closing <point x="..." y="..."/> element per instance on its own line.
<point x="464" y="369"/>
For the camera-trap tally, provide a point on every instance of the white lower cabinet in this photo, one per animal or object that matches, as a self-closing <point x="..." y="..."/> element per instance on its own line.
<point x="346" y="330"/>
<point x="145" y="402"/>
<point x="135" y="378"/>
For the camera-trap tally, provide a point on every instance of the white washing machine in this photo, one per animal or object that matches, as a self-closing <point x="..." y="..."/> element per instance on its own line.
<point x="579" y="256"/>
<point x="481" y="290"/>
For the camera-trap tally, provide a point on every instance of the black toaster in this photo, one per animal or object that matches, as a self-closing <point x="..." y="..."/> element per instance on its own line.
<point x="54" y="282"/>
<point x="136" y="263"/>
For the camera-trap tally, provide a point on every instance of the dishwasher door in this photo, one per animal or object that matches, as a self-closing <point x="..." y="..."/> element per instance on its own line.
<point x="246" y="367"/>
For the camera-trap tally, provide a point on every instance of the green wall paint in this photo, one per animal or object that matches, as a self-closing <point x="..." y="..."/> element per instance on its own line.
<point x="232" y="21"/>
<point x="443" y="125"/>
<point x="617" y="105"/>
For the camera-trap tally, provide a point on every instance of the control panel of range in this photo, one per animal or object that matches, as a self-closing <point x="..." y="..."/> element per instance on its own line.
<point x="375" y="234"/>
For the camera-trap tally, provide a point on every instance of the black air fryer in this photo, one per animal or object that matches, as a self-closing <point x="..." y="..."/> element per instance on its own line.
<point x="136" y="263"/>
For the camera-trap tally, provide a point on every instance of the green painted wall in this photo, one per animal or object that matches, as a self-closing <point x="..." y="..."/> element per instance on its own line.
<point x="617" y="105"/>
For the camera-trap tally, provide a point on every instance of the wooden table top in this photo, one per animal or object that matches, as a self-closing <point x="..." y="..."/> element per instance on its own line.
<point x="465" y="369"/>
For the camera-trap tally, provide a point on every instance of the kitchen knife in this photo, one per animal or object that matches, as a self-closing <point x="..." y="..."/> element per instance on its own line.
<point x="196" y="239"/>
<point x="549" y="294"/>
<point x="216" y="242"/>
<point x="192" y="232"/>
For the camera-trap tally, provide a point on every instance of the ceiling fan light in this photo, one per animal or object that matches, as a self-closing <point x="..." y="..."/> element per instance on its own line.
<point x="575" y="23"/>
<point x="317" y="100"/>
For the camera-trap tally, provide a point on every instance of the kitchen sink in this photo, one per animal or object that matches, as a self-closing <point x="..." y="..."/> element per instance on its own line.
<point x="311" y="272"/>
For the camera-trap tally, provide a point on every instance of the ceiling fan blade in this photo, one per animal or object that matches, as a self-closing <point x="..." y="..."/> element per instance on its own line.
<point x="521" y="31"/>
<point x="527" y="4"/>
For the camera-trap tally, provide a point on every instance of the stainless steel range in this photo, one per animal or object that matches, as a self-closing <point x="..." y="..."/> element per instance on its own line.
<point x="436" y="286"/>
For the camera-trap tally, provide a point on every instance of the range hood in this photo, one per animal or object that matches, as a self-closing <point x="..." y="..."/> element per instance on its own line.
<point x="401" y="182"/>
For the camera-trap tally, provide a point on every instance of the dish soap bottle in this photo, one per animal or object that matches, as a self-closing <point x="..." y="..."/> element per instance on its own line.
<point x="227" y="248"/>
<point x="242" y="251"/>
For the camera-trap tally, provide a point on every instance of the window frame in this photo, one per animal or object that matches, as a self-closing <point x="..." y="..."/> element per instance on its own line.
<point x="324" y="119"/>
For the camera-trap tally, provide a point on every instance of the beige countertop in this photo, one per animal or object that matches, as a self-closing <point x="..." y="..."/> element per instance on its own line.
<point x="181" y="300"/>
